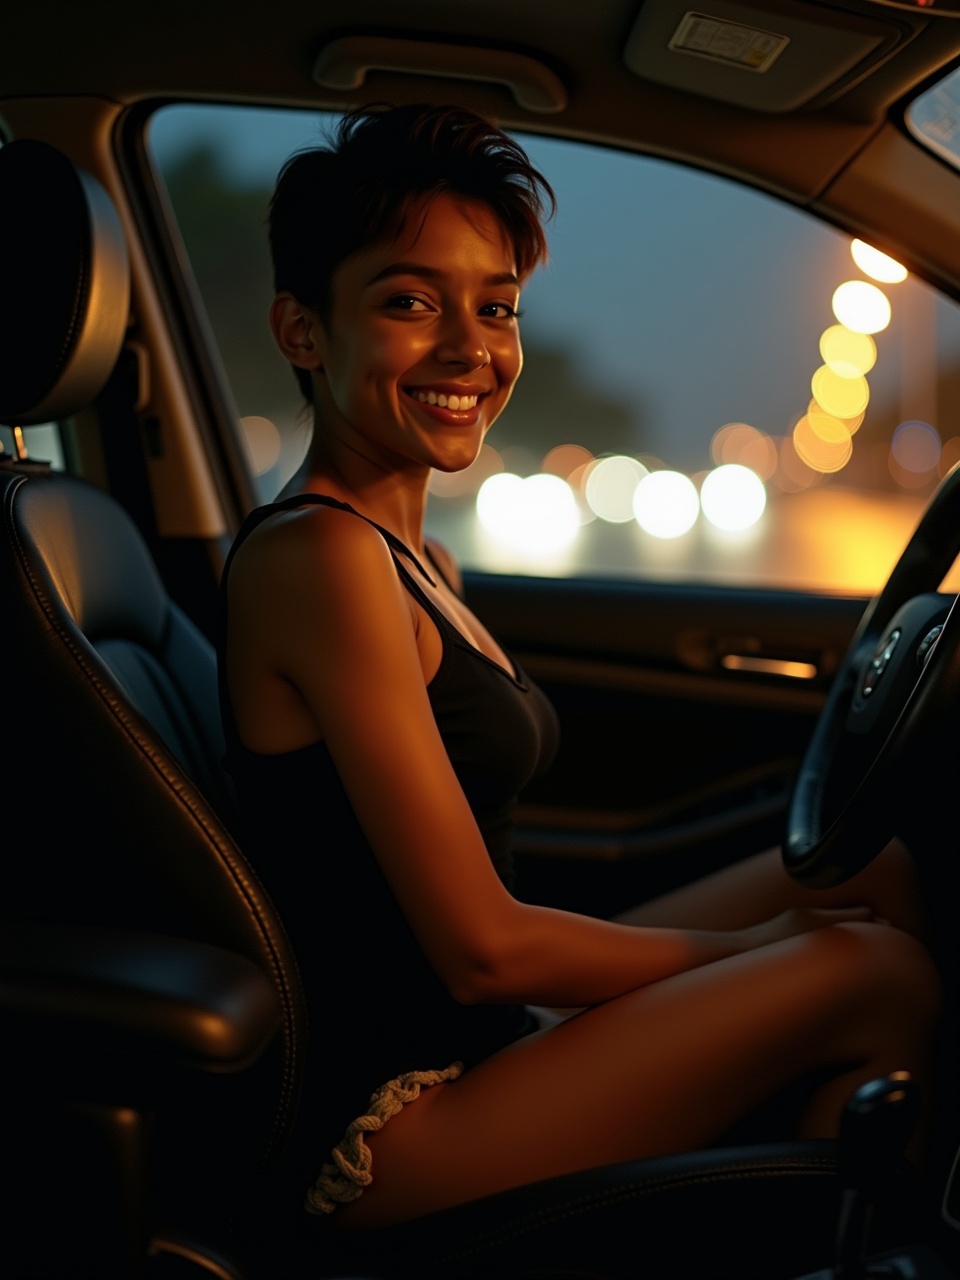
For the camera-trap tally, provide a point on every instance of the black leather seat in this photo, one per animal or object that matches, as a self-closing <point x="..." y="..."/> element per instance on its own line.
<point x="127" y="863"/>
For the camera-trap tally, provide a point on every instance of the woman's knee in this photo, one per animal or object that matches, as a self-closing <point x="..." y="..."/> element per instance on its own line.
<point x="887" y="972"/>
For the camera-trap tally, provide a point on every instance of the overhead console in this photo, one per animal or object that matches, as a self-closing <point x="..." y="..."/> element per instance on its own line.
<point x="779" y="56"/>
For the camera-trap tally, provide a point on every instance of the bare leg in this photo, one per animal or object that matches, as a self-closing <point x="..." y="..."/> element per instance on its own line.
<point x="665" y="1068"/>
<point x="759" y="888"/>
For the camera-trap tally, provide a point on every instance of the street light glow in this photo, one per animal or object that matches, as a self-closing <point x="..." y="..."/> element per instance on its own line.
<point x="732" y="497"/>
<point x="877" y="265"/>
<point x="841" y="397"/>
<point x="847" y="353"/>
<point x="862" y="307"/>
<point x="666" y="504"/>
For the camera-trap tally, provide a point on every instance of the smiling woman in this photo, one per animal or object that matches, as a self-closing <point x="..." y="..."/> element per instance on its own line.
<point x="419" y="344"/>
<point x="372" y="719"/>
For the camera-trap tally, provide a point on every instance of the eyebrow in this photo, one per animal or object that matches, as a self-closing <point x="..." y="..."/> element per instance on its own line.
<point x="432" y="273"/>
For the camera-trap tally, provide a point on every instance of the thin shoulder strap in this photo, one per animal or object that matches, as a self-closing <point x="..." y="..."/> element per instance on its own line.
<point x="255" y="518"/>
<point x="260" y="514"/>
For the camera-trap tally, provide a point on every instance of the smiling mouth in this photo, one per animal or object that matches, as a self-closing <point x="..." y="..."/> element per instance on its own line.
<point x="443" y="400"/>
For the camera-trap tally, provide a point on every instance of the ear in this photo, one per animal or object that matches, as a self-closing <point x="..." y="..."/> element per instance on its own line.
<point x="297" y="332"/>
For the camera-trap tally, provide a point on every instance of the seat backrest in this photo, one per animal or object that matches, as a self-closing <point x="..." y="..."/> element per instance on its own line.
<point x="101" y="570"/>
<point x="111" y="704"/>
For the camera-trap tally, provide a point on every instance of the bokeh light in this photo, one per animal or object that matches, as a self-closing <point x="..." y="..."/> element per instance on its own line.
<point x="577" y="480"/>
<point x="838" y="396"/>
<point x="826" y="447"/>
<point x="816" y="411"/>
<point x="537" y="515"/>
<point x="262" y="440"/>
<point x="738" y="442"/>
<point x="609" y="487"/>
<point x="666" y="504"/>
<point x="861" y="307"/>
<point x="847" y="353"/>
<point x="916" y="447"/>
<point x="498" y="498"/>
<point x="465" y="483"/>
<point x="793" y="475"/>
<point x="877" y="265"/>
<point x="733" y="497"/>
<point x="564" y="459"/>
<point x="730" y="439"/>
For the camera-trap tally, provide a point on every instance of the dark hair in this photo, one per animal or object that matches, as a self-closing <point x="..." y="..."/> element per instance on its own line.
<point x="382" y="164"/>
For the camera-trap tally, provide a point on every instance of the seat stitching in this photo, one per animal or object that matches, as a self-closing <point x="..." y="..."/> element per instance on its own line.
<point x="795" y="1166"/>
<point x="245" y="878"/>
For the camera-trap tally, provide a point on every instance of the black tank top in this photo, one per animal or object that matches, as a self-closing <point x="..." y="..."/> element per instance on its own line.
<point x="376" y="1006"/>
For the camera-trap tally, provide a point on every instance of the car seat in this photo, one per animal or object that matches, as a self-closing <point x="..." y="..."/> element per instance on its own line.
<point x="151" y="975"/>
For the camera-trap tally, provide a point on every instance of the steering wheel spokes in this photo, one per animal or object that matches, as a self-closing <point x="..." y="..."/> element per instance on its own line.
<point x="885" y="710"/>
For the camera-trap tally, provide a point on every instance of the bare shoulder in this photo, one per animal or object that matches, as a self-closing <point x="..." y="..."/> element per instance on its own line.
<point x="313" y="576"/>
<point x="446" y="562"/>
<point x="308" y="548"/>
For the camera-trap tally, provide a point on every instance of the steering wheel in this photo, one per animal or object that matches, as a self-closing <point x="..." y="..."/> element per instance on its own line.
<point x="885" y="710"/>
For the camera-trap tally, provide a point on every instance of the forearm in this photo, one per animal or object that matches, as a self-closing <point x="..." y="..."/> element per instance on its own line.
<point x="551" y="957"/>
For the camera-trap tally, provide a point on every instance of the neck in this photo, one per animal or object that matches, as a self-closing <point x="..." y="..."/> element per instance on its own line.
<point x="393" y="498"/>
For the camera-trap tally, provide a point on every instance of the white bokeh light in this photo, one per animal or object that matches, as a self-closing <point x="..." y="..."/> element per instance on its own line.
<point x="861" y="307"/>
<point x="732" y="497"/>
<point x="876" y="264"/>
<point x="610" y="486"/>
<point x="666" y="504"/>
<point x="538" y="515"/>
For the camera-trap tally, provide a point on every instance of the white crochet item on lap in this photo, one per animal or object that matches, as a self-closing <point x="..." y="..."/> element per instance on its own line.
<point x="343" y="1178"/>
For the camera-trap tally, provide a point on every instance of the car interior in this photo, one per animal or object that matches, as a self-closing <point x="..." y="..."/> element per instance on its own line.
<point x="157" y="1025"/>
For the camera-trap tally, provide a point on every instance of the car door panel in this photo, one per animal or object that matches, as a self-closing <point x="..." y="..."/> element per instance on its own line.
<point x="684" y="712"/>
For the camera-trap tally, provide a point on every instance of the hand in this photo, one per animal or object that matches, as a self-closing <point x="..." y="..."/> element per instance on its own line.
<point x="798" y="920"/>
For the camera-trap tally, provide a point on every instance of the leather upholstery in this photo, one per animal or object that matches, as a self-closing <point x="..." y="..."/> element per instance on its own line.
<point x="745" y="1213"/>
<point x="98" y="990"/>
<point x="130" y="839"/>
<point x="62" y="335"/>
<point x="82" y="546"/>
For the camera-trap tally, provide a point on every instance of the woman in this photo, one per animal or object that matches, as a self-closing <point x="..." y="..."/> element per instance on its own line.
<point x="378" y="735"/>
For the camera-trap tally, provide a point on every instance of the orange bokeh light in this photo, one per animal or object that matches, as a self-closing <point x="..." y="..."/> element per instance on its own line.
<point x="564" y="459"/>
<point x="827" y="447"/>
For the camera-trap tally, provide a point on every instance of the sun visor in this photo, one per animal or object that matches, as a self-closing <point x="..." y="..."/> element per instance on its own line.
<point x="776" y="58"/>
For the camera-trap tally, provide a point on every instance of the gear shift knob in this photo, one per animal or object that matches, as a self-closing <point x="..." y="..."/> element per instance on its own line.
<point x="874" y="1128"/>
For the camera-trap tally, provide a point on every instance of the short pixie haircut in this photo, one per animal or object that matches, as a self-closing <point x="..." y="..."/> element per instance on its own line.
<point x="382" y="165"/>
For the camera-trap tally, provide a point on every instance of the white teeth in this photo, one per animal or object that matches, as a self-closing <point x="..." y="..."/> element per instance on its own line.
<point x="447" y="402"/>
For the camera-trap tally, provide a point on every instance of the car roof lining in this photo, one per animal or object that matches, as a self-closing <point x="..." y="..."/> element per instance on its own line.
<point x="170" y="50"/>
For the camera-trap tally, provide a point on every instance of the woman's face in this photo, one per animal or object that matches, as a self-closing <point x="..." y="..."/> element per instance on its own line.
<point x="422" y="350"/>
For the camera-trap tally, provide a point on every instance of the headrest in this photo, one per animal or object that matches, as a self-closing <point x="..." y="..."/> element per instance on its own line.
<point x="64" y="285"/>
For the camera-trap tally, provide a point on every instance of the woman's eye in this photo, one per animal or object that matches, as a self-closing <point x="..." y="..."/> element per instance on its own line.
<point x="500" y="311"/>
<point x="407" y="302"/>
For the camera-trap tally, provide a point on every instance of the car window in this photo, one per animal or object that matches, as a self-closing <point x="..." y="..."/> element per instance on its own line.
<point x="717" y="387"/>
<point x="42" y="442"/>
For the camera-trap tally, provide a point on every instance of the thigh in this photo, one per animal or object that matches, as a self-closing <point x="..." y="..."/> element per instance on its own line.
<point x="759" y="888"/>
<point x="666" y="1068"/>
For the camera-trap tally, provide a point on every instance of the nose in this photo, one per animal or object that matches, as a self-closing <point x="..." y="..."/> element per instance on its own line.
<point x="463" y="341"/>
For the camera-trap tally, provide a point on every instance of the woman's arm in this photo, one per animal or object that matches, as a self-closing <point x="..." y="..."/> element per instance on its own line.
<point x="334" y="623"/>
